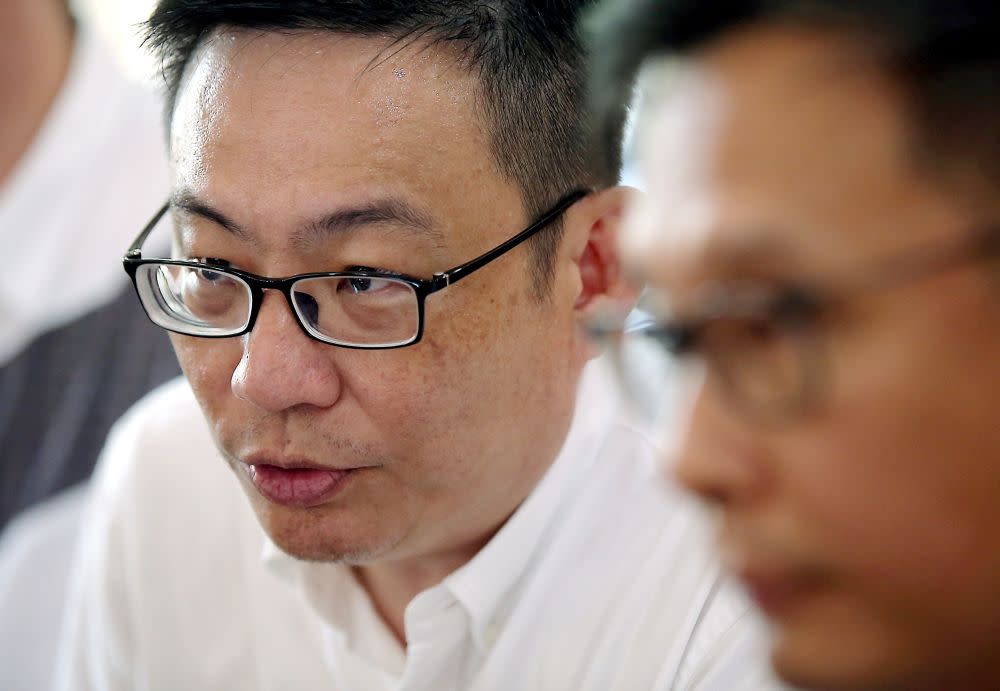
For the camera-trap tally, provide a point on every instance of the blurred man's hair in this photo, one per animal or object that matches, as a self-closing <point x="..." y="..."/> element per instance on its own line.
<point x="527" y="55"/>
<point x="945" y="54"/>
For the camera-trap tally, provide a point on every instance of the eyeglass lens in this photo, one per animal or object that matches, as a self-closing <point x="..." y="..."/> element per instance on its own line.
<point x="353" y="310"/>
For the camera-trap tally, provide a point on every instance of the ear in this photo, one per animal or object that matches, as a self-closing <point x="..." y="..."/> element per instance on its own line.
<point x="591" y="245"/>
<point x="592" y="232"/>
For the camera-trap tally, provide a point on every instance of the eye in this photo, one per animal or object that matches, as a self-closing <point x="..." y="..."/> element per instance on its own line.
<point x="207" y="293"/>
<point x="365" y="285"/>
<point x="799" y="306"/>
<point x="759" y="330"/>
<point x="207" y="274"/>
<point x="308" y="307"/>
<point x="359" y="285"/>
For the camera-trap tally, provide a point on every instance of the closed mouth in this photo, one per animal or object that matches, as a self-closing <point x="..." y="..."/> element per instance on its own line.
<point x="298" y="487"/>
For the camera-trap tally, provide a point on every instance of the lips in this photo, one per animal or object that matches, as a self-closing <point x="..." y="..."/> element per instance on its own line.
<point x="776" y="582"/>
<point x="298" y="487"/>
<point x="773" y="593"/>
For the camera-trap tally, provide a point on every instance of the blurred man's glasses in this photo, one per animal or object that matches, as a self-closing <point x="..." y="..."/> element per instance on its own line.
<point x="764" y="344"/>
<point x="366" y="309"/>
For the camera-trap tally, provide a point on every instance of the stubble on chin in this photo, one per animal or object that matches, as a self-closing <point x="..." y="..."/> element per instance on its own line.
<point x="314" y="535"/>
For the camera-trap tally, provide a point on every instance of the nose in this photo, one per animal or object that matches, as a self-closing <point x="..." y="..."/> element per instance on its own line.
<point x="718" y="454"/>
<point x="282" y="367"/>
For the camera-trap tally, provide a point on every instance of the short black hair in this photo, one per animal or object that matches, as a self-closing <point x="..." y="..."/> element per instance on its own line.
<point x="528" y="56"/>
<point x="945" y="54"/>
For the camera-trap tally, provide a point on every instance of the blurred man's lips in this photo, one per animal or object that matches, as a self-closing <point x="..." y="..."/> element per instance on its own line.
<point x="771" y="593"/>
<point x="298" y="486"/>
<point x="777" y="584"/>
<point x="777" y="592"/>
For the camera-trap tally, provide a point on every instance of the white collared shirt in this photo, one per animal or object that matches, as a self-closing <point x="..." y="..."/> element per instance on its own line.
<point x="602" y="579"/>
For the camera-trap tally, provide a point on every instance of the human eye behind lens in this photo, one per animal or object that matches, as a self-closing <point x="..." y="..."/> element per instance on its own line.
<point x="211" y="267"/>
<point x="758" y="331"/>
<point x="206" y="290"/>
<point x="370" y="283"/>
<point x="366" y="285"/>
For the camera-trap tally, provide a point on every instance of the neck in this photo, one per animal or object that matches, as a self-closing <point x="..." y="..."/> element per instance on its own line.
<point x="36" y="44"/>
<point x="393" y="585"/>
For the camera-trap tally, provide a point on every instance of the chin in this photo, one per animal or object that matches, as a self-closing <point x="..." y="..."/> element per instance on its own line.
<point x="323" y="534"/>
<point x="829" y="661"/>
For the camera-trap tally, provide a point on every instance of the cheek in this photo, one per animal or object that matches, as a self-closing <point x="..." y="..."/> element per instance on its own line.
<point x="470" y="396"/>
<point x="208" y="365"/>
<point x="397" y="391"/>
<point x="418" y="402"/>
<point x="868" y="495"/>
<point x="896" y="485"/>
<point x="911" y="553"/>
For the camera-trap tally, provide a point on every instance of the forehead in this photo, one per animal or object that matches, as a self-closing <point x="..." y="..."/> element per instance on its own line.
<point x="270" y="125"/>
<point x="781" y="144"/>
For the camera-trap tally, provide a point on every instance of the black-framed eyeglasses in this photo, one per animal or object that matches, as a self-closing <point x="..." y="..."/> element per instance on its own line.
<point x="367" y="309"/>
<point x="764" y="343"/>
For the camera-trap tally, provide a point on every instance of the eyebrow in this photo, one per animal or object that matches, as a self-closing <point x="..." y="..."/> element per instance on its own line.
<point x="186" y="201"/>
<point x="389" y="211"/>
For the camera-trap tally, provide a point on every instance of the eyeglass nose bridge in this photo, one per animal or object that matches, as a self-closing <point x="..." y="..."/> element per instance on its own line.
<point x="257" y="295"/>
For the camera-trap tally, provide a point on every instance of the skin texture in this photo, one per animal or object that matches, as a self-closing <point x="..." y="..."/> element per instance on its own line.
<point x="866" y="528"/>
<point x="274" y="131"/>
<point x="36" y="44"/>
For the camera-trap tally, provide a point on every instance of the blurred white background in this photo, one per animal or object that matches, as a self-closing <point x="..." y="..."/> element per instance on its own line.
<point x="118" y="22"/>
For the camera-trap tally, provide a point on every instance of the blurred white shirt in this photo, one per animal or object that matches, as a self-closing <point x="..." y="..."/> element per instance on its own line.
<point x="95" y="173"/>
<point x="603" y="579"/>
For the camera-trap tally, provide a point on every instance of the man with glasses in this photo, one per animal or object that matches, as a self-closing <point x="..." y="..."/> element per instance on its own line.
<point x="822" y="246"/>
<point x="388" y="228"/>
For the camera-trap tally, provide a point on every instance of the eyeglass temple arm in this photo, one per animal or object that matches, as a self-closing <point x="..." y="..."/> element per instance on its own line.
<point x="134" y="251"/>
<point x="446" y="278"/>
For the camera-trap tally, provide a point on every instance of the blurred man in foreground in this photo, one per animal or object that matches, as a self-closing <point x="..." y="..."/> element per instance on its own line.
<point x="822" y="246"/>
<point x="388" y="228"/>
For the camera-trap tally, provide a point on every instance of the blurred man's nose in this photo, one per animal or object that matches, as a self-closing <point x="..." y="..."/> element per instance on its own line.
<point x="281" y="366"/>
<point x="716" y="453"/>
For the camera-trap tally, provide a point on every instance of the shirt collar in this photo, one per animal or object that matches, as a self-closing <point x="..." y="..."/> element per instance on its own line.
<point x="338" y="599"/>
<point x="486" y="585"/>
